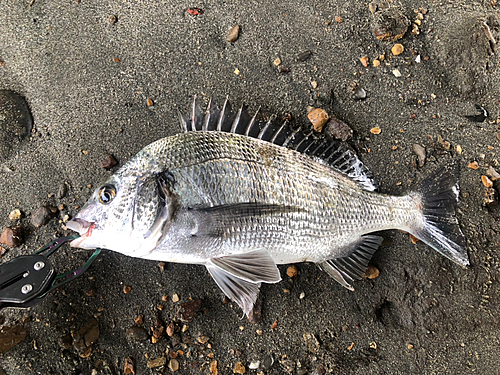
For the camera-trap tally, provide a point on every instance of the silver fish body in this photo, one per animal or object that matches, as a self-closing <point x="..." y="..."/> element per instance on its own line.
<point x="240" y="205"/>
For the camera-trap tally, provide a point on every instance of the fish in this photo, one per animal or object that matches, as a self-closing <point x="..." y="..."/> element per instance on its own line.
<point x="241" y="194"/>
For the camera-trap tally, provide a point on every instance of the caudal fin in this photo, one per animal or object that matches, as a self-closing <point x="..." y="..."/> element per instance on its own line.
<point x="438" y="195"/>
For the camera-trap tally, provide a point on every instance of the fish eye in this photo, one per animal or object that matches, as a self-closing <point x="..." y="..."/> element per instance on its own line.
<point x="106" y="194"/>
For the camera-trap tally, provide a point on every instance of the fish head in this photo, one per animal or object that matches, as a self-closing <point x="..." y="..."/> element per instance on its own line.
<point x="126" y="214"/>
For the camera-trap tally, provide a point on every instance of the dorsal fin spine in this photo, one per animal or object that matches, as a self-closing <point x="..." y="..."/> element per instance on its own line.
<point x="236" y="120"/>
<point x="222" y="115"/>
<point x="278" y="132"/>
<point x="252" y="121"/>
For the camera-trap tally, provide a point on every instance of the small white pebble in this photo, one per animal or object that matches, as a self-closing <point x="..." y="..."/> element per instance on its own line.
<point x="254" y="365"/>
<point x="302" y="295"/>
<point x="417" y="59"/>
<point x="396" y="73"/>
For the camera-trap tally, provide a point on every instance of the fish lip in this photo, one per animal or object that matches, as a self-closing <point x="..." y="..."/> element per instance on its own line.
<point x="84" y="229"/>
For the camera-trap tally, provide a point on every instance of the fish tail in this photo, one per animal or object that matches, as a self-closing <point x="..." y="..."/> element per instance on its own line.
<point x="437" y="196"/>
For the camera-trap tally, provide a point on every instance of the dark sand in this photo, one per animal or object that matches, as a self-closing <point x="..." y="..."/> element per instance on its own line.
<point x="424" y="314"/>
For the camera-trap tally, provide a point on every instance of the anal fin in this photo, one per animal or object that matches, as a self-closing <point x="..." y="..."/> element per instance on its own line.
<point x="240" y="275"/>
<point x="353" y="266"/>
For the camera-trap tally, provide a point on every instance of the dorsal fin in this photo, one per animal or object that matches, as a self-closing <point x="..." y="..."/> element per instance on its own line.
<point x="335" y="153"/>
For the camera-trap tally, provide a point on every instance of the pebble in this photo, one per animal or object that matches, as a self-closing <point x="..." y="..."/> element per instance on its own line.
<point x="127" y="289"/>
<point x="186" y="311"/>
<point x="233" y="34"/>
<point x="459" y="149"/>
<point x="65" y="341"/>
<point x="170" y="329"/>
<point x="173" y="365"/>
<point x="292" y="271"/>
<point x="128" y="367"/>
<point x="150" y="102"/>
<point x="376" y="130"/>
<point x="373" y="345"/>
<point x="62" y="191"/>
<point x="318" y="118"/>
<point x="254" y="365"/>
<point x="112" y="19"/>
<point x="157" y="362"/>
<point x="389" y="23"/>
<point x="303" y="56"/>
<point x="239" y="368"/>
<point x="267" y="361"/>
<point x="376" y="63"/>
<point x="11" y="336"/>
<point x="474" y="165"/>
<point x="137" y="333"/>
<point x="11" y="236"/>
<point x="338" y="19"/>
<point x="15" y="215"/>
<point x="491" y="197"/>
<point x="90" y="332"/>
<point x="492" y="173"/>
<point x="175" y="297"/>
<point x="420" y="151"/>
<point x="277" y="62"/>
<point x="359" y="93"/>
<point x="338" y="129"/>
<point x="314" y="84"/>
<point x="213" y="368"/>
<point x="311" y="342"/>
<point x="397" y="49"/>
<point x="486" y="181"/>
<point x="396" y="73"/>
<point x="364" y="61"/>
<point x="109" y="161"/>
<point x="161" y="265"/>
<point x="41" y="216"/>
<point x="371" y="272"/>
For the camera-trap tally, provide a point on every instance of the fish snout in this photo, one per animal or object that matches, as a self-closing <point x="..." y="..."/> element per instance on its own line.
<point x="83" y="227"/>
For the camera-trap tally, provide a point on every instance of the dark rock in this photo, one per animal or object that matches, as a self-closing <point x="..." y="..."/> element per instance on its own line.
<point x="338" y="129"/>
<point x="175" y="340"/>
<point x="90" y="332"/>
<point x="108" y="162"/>
<point x="112" y="19"/>
<point x="187" y="310"/>
<point x="15" y="122"/>
<point x="41" y="216"/>
<point x="66" y="341"/>
<point x="137" y="333"/>
<point x="303" y="56"/>
<point x="11" y="336"/>
<point x="62" y="191"/>
<point x="11" y="236"/>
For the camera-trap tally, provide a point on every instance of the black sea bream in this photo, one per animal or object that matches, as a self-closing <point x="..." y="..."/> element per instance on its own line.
<point x="239" y="195"/>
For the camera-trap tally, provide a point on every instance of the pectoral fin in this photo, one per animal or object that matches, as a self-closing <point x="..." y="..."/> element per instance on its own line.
<point x="239" y="276"/>
<point x="352" y="267"/>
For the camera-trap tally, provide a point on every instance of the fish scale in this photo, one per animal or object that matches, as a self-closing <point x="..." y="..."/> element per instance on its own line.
<point x="233" y="193"/>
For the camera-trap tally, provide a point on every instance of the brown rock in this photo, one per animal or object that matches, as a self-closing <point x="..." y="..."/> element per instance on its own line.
<point x="173" y="365"/>
<point x="318" y="118"/>
<point x="371" y="272"/>
<point x="66" y="341"/>
<point x="128" y="367"/>
<point x="11" y="236"/>
<point x="364" y="61"/>
<point x="187" y="310"/>
<point x="233" y="34"/>
<point x="491" y="197"/>
<point x="292" y="271"/>
<point x="109" y="161"/>
<point x="239" y="368"/>
<point x="213" y="368"/>
<point x="474" y="165"/>
<point x="376" y="130"/>
<point x="486" y="181"/>
<point x="158" y="362"/>
<point x="11" y="336"/>
<point x="150" y="102"/>
<point x="127" y="289"/>
<point x="397" y="49"/>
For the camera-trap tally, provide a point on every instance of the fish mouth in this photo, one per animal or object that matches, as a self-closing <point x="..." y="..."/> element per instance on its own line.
<point x="84" y="229"/>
